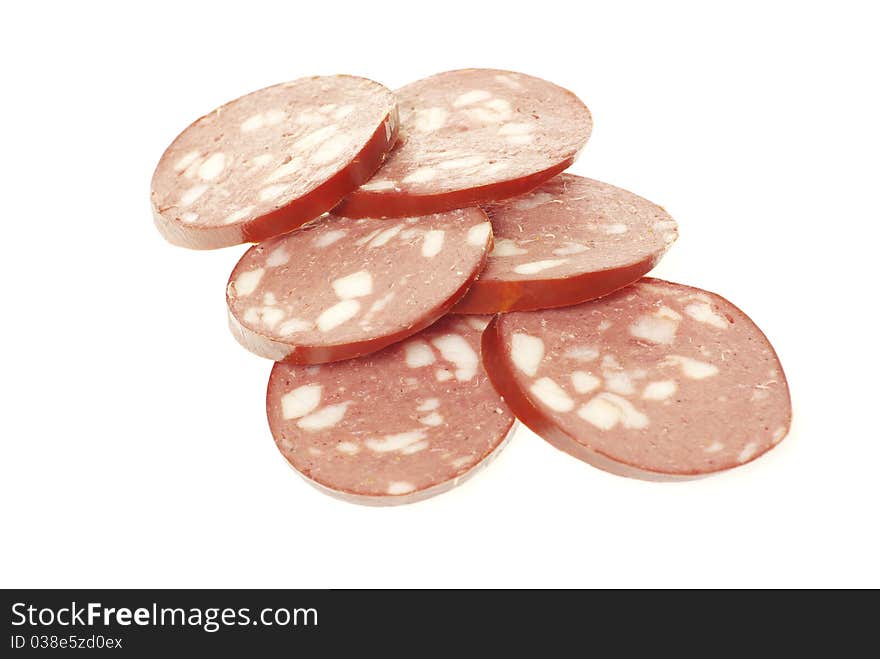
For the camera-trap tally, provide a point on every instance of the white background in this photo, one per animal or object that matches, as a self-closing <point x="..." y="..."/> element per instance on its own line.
<point x="135" y="450"/>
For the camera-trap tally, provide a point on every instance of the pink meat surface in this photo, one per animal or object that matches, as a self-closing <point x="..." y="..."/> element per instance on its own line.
<point x="657" y="378"/>
<point x="570" y="240"/>
<point x="395" y="426"/>
<point x="474" y="135"/>
<point x="340" y="288"/>
<point x="271" y="160"/>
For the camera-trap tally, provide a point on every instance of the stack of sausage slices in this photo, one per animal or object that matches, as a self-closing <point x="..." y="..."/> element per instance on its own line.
<point x="424" y="274"/>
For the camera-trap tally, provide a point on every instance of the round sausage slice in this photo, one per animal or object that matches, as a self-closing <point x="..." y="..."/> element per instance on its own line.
<point x="473" y="136"/>
<point x="340" y="288"/>
<point x="396" y="426"/>
<point x="656" y="381"/>
<point x="570" y="240"/>
<point x="265" y="163"/>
